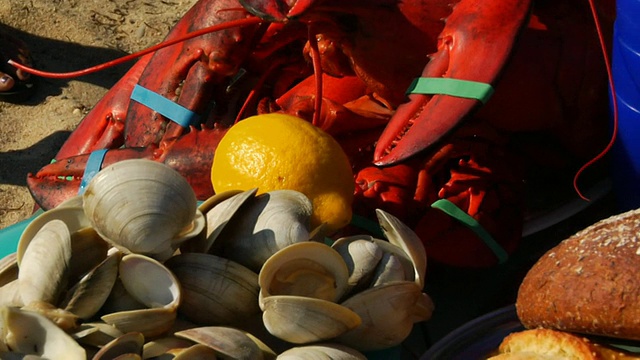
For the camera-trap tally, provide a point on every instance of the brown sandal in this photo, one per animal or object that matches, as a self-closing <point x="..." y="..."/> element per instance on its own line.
<point x="19" y="85"/>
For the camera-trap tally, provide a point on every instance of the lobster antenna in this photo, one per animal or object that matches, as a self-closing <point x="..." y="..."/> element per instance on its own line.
<point x="614" y="104"/>
<point x="317" y="71"/>
<point x="121" y="60"/>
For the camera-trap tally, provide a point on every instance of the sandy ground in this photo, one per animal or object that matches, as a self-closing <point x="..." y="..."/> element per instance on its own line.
<point x="66" y="35"/>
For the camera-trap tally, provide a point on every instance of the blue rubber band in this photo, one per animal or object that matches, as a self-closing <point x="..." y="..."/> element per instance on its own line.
<point x="455" y="212"/>
<point x="454" y="87"/>
<point x="94" y="164"/>
<point x="165" y="107"/>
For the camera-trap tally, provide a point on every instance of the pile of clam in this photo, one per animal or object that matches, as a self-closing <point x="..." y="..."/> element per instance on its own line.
<point x="134" y="268"/>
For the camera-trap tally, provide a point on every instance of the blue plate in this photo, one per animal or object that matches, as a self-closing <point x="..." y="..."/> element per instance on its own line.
<point x="10" y="235"/>
<point x="476" y="339"/>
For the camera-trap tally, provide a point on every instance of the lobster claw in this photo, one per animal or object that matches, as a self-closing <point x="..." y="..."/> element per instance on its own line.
<point x="190" y="155"/>
<point x="474" y="46"/>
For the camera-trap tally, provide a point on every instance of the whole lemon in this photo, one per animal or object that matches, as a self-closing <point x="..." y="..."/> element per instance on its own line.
<point x="278" y="151"/>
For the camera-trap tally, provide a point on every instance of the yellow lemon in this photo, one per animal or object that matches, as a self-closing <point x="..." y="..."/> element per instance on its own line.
<point x="277" y="151"/>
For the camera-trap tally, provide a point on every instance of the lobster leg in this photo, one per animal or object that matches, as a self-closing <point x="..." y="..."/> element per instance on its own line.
<point x="474" y="46"/>
<point x="346" y="105"/>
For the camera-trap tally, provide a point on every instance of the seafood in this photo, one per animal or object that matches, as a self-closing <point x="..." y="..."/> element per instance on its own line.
<point x="152" y="214"/>
<point x="357" y="69"/>
<point x="197" y="302"/>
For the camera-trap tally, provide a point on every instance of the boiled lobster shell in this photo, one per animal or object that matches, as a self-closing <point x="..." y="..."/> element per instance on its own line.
<point x="346" y="66"/>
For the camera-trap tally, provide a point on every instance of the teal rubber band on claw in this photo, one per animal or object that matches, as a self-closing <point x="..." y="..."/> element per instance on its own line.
<point x="94" y="164"/>
<point x="455" y="212"/>
<point x="165" y="107"/>
<point x="454" y="87"/>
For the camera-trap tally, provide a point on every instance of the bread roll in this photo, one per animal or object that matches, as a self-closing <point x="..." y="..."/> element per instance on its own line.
<point x="545" y="344"/>
<point x="589" y="283"/>
<point x="553" y="344"/>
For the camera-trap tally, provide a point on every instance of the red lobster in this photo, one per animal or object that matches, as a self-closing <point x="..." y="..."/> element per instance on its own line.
<point x="347" y="66"/>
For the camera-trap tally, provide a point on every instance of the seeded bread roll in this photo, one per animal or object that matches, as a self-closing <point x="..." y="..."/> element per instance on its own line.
<point x="589" y="283"/>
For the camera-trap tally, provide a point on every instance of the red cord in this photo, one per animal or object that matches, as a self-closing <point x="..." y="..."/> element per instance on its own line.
<point x="614" y="104"/>
<point x="93" y="69"/>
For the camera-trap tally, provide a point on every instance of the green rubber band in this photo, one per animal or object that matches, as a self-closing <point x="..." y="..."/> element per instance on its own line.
<point x="362" y="222"/>
<point x="455" y="212"/>
<point x="454" y="87"/>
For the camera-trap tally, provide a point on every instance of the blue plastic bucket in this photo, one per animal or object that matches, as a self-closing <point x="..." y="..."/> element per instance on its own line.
<point x="626" y="76"/>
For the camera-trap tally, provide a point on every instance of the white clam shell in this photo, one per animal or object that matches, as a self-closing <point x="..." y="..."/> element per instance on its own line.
<point x="153" y="285"/>
<point x="140" y="205"/>
<point x="95" y="334"/>
<point x="362" y="255"/>
<point x="44" y="270"/>
<point x="400" y="235"/>
<point x="10" y="294"/>
<point x="299" y="287"/>
<point x="8" y="269"/>
<point x="216" y="291"/>
<point x="227" y="342"/>
<point x="388" y="313"/>
<point x="322" y="351"/>
<point x="303" y="320"/>
<point x="129" y="343"/>
<point x="49" y="342"/>
<point x="73" y="217"/>
<point x="91" y="292"/>
<point x="307" y="269"/>
<point x="263" y="225"/>
<point x="150" y="282"/>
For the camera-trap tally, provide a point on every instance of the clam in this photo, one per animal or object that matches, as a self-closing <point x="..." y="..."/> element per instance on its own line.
<point x="65" y="320"/>
<point x="400" y="235"/>
<point x="74" y="201"/>
<point x="8" y="269"/>
<point x="260" y="226"/>
<point x="370" y="267"/>
<point x="390" y="268"/>
<point x="126" y="344"/>
<point x="227" y="342"/>
<point x="361" y="254"/>
<point x="299" y="288"/>
<point x="44" y="269"/>
<point x="332" y="351"/>
<point x="120" y="300"/>
<point x="10" y="294"/>
<point x="388" y="313"/>
<point x="306" y="269"/>
<point x="195" y="352"/>
<point x="142" y="206"/>
<point x="302" y="320"/>
<point x="91" y="292"/>
<point x="33" y="334"/>
<point x="88" y="250"/>
<point x="219" y="210"/>
<point x="216" y="291"/>
<point x="95" y="334"/>
<point x="152" y="284"/>
<point x="72" y="217"/>
<point x="373" y="262"/>
<point x="161" y="346"/>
